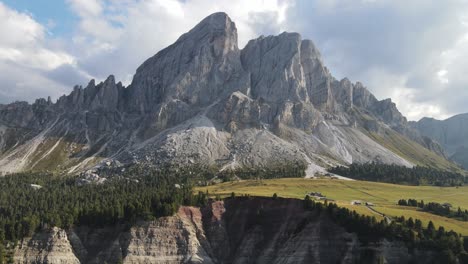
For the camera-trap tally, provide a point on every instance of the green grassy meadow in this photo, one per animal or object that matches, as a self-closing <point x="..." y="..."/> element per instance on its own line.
<point x="383" y="195"/>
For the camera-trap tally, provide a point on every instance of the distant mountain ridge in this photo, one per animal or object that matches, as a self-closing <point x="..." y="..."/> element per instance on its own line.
<point x="204" y="101"/>
<point x="451" y="134"/>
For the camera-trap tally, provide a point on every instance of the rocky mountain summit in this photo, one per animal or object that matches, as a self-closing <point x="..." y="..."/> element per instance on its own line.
<point x="451" y="134"/>
<point x="202" y="100"/>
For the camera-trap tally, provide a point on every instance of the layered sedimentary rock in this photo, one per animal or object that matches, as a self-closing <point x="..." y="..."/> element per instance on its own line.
<point x="204" y="101"/>
<point x="52" y="247"/>
<point x="243" y="230"/>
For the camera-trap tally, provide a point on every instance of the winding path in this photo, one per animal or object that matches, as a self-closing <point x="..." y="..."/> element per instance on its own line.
<point x="388" y="219"/>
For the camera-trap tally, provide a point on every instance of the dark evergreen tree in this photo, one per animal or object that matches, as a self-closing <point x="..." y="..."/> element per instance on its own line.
<point x="401" y="175"/>
<point x="64" y="203"/>
<point x="2" y="253"/>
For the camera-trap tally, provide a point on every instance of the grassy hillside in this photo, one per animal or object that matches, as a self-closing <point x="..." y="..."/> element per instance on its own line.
<point x="57" y="155"/>
<point x="412" y="151"/>
<point x="383" y="195"/>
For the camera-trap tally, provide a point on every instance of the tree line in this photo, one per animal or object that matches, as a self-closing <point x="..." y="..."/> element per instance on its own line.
<point x="286" y="170"/>
<point x="62" y="202"/>
<point x="203" y="175"/>
<point x="448" y="245"/>
<point x="401" y="175"/>
<point x="436" y="208"/>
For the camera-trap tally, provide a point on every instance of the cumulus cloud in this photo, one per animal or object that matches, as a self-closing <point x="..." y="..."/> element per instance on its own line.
<point x="25" y="58"/>
<point x="412" y="51"/>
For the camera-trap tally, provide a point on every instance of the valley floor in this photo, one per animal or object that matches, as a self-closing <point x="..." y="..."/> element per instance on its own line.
<point x="384" y="196"/>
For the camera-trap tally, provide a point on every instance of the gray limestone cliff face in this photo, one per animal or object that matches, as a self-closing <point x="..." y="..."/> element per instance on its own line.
<point x="343" y="91"/>
<point x="274" y="64"/>
<point x="254" y="230"/>
<point x="202" y="65"/>
<point x="361" y="96"/>
<point x="284" y="73"/>
<point x="317" y="77"/>
<point x="387" y="110"/>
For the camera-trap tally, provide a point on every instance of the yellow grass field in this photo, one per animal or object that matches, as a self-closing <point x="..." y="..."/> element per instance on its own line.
<point x="383" y="195"/>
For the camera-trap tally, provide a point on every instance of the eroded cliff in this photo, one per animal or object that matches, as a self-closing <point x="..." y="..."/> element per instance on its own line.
<point x="241" y="230"/>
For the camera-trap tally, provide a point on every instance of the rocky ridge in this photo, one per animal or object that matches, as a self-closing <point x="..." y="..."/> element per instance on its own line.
<point x="202" y="100"/>
<point x="451" y="134"/>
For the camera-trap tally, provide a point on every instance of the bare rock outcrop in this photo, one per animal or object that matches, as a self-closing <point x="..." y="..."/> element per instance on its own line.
<point x="199" y="67"/>
<point x="169" y="240"/>
<point x="51" y="246"/>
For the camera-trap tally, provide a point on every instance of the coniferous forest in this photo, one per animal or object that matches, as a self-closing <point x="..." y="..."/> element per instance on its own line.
<point x="287" y="170"/>
<point x="448" y="244"/>
<point x="436" y="208"/>
<point x="62" y="202"/>
<point x="401" y="175"/>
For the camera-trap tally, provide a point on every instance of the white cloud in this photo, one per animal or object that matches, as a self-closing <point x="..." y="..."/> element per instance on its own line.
<point x="40" y="58"/>
<point x="407" y="102"/>
<point x="18" y="29"/>
<point x="442" y="76"/>
<point x="26" y="58"/>
<point x="396" y="87"/>
<point x="86" y="8"/>
<point x="20" y="83"/>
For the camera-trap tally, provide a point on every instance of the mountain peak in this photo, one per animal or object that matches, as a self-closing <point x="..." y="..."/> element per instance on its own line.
<point x="308" y="45"/>
<point x="217" y="27"/>
<point x="217" y="19"/>
<point x="196" y="69"/>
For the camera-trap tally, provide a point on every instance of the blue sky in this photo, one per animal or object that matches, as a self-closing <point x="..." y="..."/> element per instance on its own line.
<point x="55" y="14"/>
<point x="413" y="51"/>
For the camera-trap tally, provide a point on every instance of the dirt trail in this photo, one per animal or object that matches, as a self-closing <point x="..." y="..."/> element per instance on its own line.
<point x="388" y="219"/>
